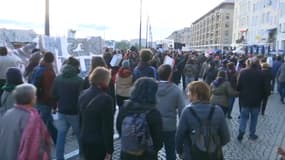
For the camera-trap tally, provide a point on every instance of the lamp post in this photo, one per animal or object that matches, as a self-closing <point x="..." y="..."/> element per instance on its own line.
<point x="140" y="32"/>
<point x="47" y="33"/>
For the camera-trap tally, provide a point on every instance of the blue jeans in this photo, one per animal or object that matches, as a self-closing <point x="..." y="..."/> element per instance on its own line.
<point x="281" y="89"/>
<point x="64" y="123"/>
<point x="245" y="113"/>
<point x="232" y="102"/>
<point x="169" y="144"/>
<point x="45" y="112"/>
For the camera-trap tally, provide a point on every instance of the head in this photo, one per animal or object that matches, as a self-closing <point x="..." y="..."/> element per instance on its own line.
<point x="165" y="72"/>
<point x="126" y="64"/>
<point x="221" y="74"/>
<point x="100" y="77"/>
<point x="48" y="57"/>
<point x="144" y="91"/>
<point x="199" y="92"/>
<point x="73" y="62"/>
<point x="231" y="66"/>
<point x="146" y="55"/>
<point x="97" y="62"/>
<point x="14" y="76"/>
<point x="25" y="94"/>
<point x="3" y="51"/>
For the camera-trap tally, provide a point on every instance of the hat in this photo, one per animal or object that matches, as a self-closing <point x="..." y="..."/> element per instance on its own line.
<point x="14" y="76"/>
<point x="126" y="64"/>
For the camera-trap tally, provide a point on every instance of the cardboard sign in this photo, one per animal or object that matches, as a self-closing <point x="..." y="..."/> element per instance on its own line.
<point x="168" y="60"/>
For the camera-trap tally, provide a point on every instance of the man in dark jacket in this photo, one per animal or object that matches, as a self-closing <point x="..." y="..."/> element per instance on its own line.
<point x="251" y="85"/>
<point x="275" y="67"/>
<point x="66" y="89"/>
<point x="43" y="77"/>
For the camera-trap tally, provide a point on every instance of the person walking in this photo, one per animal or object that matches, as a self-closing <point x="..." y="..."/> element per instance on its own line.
<point x="268" y="77"/>
<point x="66" y="89"/>
<point x="14" y="77"/>
<point x="194" y="118"/>
<point x="251" y="85"/>
<point x="96" y="117"/>
<point x="170" y="103"/>
<point x="281" y="82"/>
<point x="22" y="132"/>
<point x="43" y="77"/>
<point x="140" y="112"/>
<point x="232" y="78"/>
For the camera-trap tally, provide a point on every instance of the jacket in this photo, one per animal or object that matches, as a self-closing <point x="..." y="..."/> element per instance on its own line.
<point x="268" y="77"/>
<point x="251" y="85"/>
<point x="144" y="70"/>
<point x="187" y="122"/>
<point x="210" y="75"/>
<point x="170" y="103"/>
<point x="47" y="79"/>
<point x="7" y="102"/>
<point x="154" y="121"/>
<point x="123" y="85"/>
<point x="12" y="126"/>
<point x="97" y="119"/>
<point x="191" y="70"/>
<point x="281" y="73"/>
<point x="66" y="89"/>
<point x="222" y="93"/>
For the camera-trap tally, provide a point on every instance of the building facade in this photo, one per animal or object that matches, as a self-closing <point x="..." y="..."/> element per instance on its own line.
<point x="281" y="29"/>
<point x="181" y="36"/>
<point x="256" y="25"/>
<point x="214" y="29"/>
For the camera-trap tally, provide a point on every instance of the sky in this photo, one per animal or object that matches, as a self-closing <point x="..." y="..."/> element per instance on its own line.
<point x="110" y="19"/>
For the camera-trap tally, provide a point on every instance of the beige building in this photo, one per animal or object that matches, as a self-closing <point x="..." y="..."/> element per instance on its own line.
<point x="214" y="29"/>
<point x="182" y="36"/>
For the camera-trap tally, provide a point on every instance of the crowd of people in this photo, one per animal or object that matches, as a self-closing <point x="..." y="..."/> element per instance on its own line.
<point x="146" y="93"/>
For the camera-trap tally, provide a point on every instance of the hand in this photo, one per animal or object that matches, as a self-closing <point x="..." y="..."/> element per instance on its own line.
<point x="108" y="157"/>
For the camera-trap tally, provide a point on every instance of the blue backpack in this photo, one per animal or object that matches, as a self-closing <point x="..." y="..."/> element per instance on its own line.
<point x="135" y="134"/>
<point x="36" y="79"/>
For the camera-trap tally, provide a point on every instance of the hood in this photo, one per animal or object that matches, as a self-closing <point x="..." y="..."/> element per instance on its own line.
<point x="164" y="88"/>
<point x="69" y="71"/>
<point x="133" y="107"/>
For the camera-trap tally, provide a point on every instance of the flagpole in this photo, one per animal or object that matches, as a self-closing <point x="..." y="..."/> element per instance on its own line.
<point x="47" y="29"/>
<point x="140" y="32"/>
<point x="147" y="23"/>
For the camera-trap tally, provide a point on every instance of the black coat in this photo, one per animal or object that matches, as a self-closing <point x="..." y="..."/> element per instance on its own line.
<point x="251" y="85"/>
<point x="155" y="124"/>
<point x="268" y="77"/>
<point x="97" y="120"/>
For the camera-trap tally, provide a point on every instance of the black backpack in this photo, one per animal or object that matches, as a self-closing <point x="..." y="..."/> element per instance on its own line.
<point x="205" y="140"/>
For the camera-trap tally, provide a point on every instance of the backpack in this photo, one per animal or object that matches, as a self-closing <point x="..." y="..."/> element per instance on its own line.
<point x="205" y="140"/>
<point x="36" y="80"/>
<point x="135" y="134"/>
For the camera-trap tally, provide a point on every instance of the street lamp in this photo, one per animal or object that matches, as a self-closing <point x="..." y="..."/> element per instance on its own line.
<point x="47" y="18"/>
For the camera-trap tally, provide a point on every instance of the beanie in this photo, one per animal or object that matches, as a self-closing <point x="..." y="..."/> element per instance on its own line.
<point x="14" y="76"/>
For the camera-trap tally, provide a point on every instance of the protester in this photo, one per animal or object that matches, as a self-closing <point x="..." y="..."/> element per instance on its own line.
<point x="140" y="112"/>
<point x="22" y="132"/>
<point x="222" y="91"/>
<point x="6" y="61"/>
<point x="251" y="85"/>
<point x="34" y="61"/>
<point x="199" y="95"/>
<point x="123" y="83"/>
<point x="268" y="77"/>
<point x="281" y="82"/>
<point x="43" y="77"/>
<point x="211" y="73"/>
<point x="14" y="78"/>
<point x="170" y="103"/>
<point x="232" y="78"/>
<point x="190" y="70"/>
<point x="96" y="110"/>
<point x="66" y="89"/>
<point x="275" y="67"/>
<point x="144" y="69"/>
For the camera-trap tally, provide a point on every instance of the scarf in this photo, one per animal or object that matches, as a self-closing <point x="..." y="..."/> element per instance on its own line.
<point x="35" y="142"/>
<point x="124" y="73"/>
<point x="218" y="82"/>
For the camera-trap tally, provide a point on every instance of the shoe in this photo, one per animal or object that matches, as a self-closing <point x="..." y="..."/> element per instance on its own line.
<point x="230" y="117"/>
<point x="240" y="137"/>
<point x="253" y="137"/>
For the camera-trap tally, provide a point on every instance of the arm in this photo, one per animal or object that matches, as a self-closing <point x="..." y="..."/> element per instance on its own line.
<point x="223" y="129"/>
<point x="107" y="124"/>
<point x="230" y="90"/>
<point x="181" y="132"/>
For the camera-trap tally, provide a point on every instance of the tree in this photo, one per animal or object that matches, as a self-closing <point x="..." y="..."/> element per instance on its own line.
<point x="123" y="45"/>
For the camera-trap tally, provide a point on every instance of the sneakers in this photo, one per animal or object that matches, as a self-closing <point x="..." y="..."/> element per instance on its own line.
<point x="253" y="137"/>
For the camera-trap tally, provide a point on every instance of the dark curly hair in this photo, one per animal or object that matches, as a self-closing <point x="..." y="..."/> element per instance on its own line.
<point x="144" y="91"/>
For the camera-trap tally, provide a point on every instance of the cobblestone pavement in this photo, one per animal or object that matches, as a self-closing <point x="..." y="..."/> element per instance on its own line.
<point x="270" y="129"/>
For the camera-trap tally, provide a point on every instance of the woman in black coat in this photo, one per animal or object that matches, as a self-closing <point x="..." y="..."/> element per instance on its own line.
<point x="143" y="100"/>
<point x="268" y="76"/>
<point x="96" y="112"/>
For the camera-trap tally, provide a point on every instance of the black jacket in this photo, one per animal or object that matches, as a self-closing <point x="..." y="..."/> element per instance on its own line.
<point x="155" y="124"/>
<point x="97" y="119"/>
<point x="251" y="85"/>
<point x="268" y="77"/>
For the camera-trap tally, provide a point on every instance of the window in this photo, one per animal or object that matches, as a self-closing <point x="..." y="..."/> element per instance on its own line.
<point x="227" y="25"/>
<point x="226" y="33"/>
